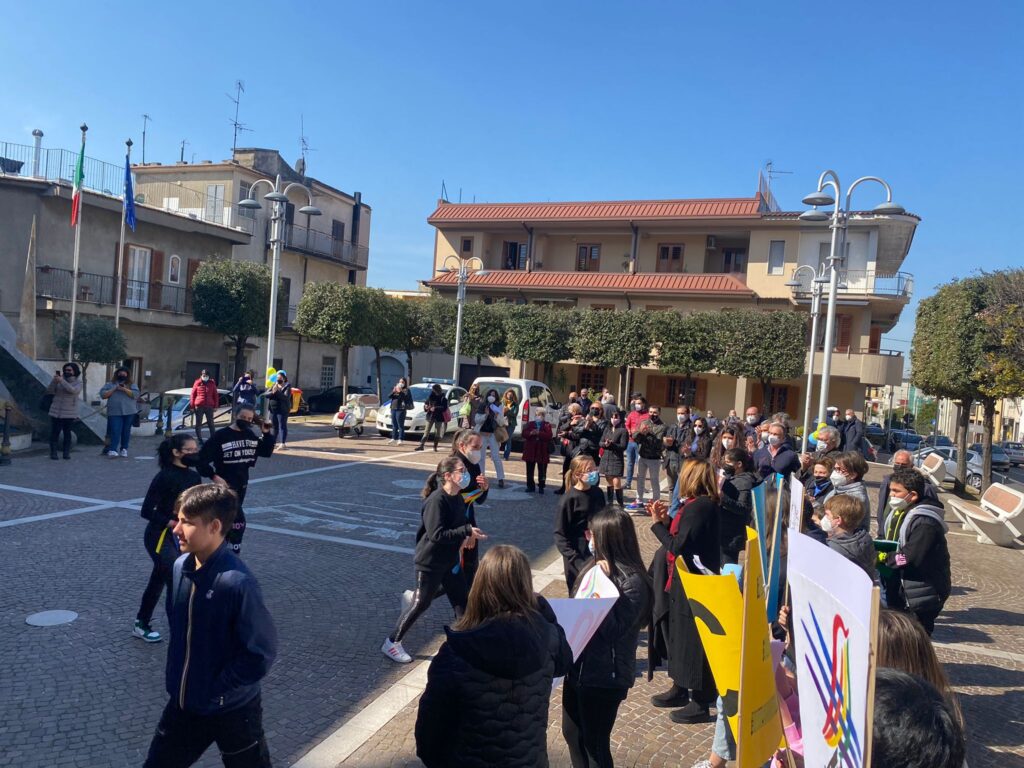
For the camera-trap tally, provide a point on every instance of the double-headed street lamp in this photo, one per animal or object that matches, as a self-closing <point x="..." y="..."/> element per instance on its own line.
<point x="461" y="267"/>
<point x="817" y="281"/>
<point x="839" y="220"/>
<point x="279" y="198"/>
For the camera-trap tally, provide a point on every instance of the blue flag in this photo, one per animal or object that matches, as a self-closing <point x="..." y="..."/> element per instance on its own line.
<point x="129" y="195"/>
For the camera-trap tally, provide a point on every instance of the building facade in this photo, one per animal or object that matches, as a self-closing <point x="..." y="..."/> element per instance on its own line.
<point x="688" y="256"/>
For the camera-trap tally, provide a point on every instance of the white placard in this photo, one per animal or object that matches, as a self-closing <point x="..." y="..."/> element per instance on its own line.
<point x="796" y="503"/>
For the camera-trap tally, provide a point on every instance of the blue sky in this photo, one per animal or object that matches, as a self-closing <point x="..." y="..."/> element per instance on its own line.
<point x="559" y="101"/>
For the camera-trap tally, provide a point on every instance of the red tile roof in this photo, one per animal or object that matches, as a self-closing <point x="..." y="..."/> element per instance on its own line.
<point x="625" y="210"/>
<point x="702" y="284"/>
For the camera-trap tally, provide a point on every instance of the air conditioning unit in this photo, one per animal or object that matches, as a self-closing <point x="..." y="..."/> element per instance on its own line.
<point x="712" y="243"/>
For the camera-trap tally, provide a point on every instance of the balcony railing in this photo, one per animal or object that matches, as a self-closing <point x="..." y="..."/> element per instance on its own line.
<point x="23" y="161"/>
<point x="54" y="283"/>
<point x="863" y="283"/>
<point x="317" y="243"/>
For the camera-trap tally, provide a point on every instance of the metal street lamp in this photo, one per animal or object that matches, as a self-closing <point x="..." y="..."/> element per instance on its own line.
<point x="817" y="281"/>
<point x="462" y="268"/>
<point x="838" y="223"/>
<point x="279" y="198"/>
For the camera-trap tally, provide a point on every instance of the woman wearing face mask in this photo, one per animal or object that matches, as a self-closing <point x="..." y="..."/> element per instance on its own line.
<point x="470" y="402"/>
<point x="442" y="534"/>
<point x="536" y="450"/>
<point x="510" y="410"/>
<point x="486" y="419"/>
<point x="700" y="446"/>
<point x="435" y="408"/>
<point x="176" y="455"/>
<point x="280" y="398"/>
<point x="66" y="389"/>
<point x="401" y="401"/>
<point x="606" y="669"/>
<point x="614" y="443"/>
<point x="820" y="486"/>
<point x="245" y="391"/>
<point x="737" y="506"/>
<point x="777" y="457"/>
<point x="723" y="443"/>
<point x="467" y="448"/>
<point x="581" y="501"/>
<point x="589" y="430"/>
<point x="122" y="407"/>
<point x="848" y="480"/>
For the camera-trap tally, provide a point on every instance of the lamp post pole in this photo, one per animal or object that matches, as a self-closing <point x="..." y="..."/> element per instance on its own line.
<point x="815" y="312"/>
<point x="461" y="269"/>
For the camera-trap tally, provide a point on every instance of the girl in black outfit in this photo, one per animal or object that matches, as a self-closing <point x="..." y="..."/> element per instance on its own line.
<point x="739" y="480"/>
<point x="174" y="455"/>
<point x="439" y="540"/>
<point x="614" y="442"/>
<point x="467" y="446"/>
<point x="401" y="401"/>
<point x="581" y="501"/>
<point x="435" y="407"/>
<point x="488" y="688"/>
<point x="606" y="668"/>
<point x="280" y="397"/>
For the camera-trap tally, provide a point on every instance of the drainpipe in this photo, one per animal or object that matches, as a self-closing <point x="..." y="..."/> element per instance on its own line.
<point x="529" y="247"/>
<point x="633" y="248"/>
<point x="37" y="151"/>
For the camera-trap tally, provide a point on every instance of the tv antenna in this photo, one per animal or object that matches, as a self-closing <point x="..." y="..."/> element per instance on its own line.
<point x="184" y="143"/>
<point x="769" y="169"/>
<point x="237" y="99"/>
<point x="145" y="119"/>
<point x="304" y="147"/>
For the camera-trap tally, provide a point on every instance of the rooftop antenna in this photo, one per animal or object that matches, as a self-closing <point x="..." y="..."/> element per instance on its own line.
<point x="237" y="99"/>
<point x="764" y="184"/>
<point x="145" y="119"/>
<point x="304" y="147"/>
<point x="444" y="192"/>
<point x="181" y="158"/>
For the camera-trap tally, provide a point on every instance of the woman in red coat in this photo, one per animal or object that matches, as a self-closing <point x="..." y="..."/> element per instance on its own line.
<point x="536" y="450"/>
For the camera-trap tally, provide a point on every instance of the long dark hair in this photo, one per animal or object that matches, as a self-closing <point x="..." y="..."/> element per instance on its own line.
<point x="165" y="451"/>
<point x="614" y="536"/>
<point x="436" y="478"/>
<point x="718" y="451"/>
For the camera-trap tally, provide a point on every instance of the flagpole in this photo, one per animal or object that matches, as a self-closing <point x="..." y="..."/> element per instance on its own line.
<point x="120" y="242"/>
<point x="74" y="262"/>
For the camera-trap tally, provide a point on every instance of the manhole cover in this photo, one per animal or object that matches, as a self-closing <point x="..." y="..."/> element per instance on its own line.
<point x="51" y="618"/>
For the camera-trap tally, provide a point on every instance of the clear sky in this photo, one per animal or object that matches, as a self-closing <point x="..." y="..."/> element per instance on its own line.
<point x="558" y="101"/>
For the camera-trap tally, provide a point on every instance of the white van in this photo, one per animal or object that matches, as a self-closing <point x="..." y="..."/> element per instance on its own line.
<point x="531" y="394"/>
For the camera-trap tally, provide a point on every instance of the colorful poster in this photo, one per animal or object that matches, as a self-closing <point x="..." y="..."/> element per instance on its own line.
<point x="759" y="728"/>
<point x="796" y="503"/>
<point x="759" y="497"/>
<point x="596" y="584"/>
<point x="830" y="625"/>
<point x="580" y="619"/>
<point x="718" y="609"/>
<point x="775" y="558"/>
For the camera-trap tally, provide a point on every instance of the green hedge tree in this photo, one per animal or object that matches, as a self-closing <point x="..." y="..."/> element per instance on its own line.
<point x="97" y="340"/>
<point x="765" y="346"/>
<point x="538" y="334"/>
<point x="332" y="313"/>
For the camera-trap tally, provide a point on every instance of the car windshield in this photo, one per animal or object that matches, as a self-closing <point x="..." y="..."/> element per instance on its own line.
<point x="420" y="392"/>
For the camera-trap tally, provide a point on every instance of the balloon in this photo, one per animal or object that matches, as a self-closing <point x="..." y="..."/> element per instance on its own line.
<point x="813" y="438"/>
<point x="271" y="376"/>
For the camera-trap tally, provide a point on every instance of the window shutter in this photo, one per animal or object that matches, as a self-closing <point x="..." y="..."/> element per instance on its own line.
<point x="701" y="395"/>
<point x="657" y="390"/>
<point x="875" y="343"/>
<point x="156" y="277"/>
<point x="843" y="332"/>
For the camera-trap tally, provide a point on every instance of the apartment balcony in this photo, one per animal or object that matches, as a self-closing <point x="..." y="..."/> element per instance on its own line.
<point x="879" y="368"/>
<point x="869" y="283"/>
<point x="323" y="245"/>
<point x="58" y="284"/>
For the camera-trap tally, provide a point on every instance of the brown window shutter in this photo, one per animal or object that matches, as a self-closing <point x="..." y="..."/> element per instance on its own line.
<point x="701" y="395"/>
<point x="156" y="278"/>
<point x="875" y="342"/>
<point x="657" y="390"/>
<point x="843" y="332"/>
<point x="793" y="403"/>
<point x="757" y="396"/>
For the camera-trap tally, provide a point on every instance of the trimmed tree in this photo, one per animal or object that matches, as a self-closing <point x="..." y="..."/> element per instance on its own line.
<point x="332" y="313"/>
<point x="414" y="329"/>
<point x="97" y="340"/>
<point x="606" y="339"/>
<point x="381" y="327"/>
<point x="689" y="343"/>
<point x="483" y="331"/>
<point x="765" y="346"/>
<point x="233" y="298"/>
<point x="538" y="334"/>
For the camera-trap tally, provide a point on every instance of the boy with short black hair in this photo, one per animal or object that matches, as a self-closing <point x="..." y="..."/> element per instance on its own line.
<point x="223" y="642"/>
<point x="914" y="725"/>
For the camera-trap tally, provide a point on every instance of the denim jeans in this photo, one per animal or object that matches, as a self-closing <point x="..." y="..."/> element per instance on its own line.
<point x="632" y="453"/>
<point x="397" y="424"/>
<point x="280" y="422"/>
<point x="723" y="745"/>
<point x="120" y="431"/>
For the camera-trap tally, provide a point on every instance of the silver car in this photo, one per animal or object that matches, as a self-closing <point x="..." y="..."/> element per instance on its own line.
<point x="949" y="457"/>
<point x="1015" y="451"/>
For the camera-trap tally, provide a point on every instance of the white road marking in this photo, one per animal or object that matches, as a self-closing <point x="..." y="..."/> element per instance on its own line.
<point x="344" y="464"/>
<point x="361" y="727"/>
<point x="53" y="494"/>
<point x="53" y="515"/>
<point x="335" y="539"/>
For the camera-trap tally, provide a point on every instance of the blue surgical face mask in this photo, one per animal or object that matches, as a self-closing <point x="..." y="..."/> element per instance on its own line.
<point x="464" y="481"/>
<point x="592" y="478"/>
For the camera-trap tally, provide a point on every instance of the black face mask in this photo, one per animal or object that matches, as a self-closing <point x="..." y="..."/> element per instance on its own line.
<point x="190" y="459"/>
<point x="122" y="377"/>
<point x="728" y="470"/>
<point x="68" y="375"/>
<point x="243" y="424"/>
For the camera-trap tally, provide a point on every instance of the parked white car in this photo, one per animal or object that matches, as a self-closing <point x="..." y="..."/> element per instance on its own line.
<point x="530" y="394"/>
<point x="416" y="417"/>
<point x="182" y="417"/>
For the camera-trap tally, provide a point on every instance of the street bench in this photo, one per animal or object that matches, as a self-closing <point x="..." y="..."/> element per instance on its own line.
<point x="998" y="518"/>
<point x="934" y="468"/>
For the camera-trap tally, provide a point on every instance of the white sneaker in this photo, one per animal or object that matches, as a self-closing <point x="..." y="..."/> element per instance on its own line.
<point x="702" y="764"/>
<point x="145" y="633"/>
<point x="112" y="453"/>
<point x="391" y="441"/>
<point x="399" y="442"/>
<point x="124" y="453"/>
<point x="395" y="652"/>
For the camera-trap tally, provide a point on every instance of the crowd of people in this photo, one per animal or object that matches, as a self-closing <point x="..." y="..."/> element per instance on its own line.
<point x="488" y="689"/>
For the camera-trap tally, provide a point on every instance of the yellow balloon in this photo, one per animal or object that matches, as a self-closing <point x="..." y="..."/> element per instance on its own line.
<point x="271" y="376"/>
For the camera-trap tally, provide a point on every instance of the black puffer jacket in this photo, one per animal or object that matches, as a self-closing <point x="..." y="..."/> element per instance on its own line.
<point x="487" y="694"/>
<point x="737" y="507"/>
<point x="609" y="660"/>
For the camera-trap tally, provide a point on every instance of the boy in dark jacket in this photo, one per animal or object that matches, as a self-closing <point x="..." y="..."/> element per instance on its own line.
<point x="223" y="642"/>
<point x="916" y="576"/>
<point x="841" y="522"/>
<point x="227" y="457"/>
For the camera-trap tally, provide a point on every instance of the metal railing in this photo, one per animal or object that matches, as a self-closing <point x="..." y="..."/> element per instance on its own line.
<point x="24" y="161"/>
<point x="55" y="283"/>
<point x="863" y="283"/>
<point x="317" y="243"/>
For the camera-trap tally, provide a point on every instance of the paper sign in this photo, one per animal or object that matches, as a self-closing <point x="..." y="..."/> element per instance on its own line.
<point x="796" y="503"/>
<point x="718" y="611"/>
<point x="830" y="622"/>
<point x="775" y="559"/>
<point x="759" y="728"/>
<point x="758" y="497"/>
<point x="596" y="584"/>
<point x="580" y="619"/>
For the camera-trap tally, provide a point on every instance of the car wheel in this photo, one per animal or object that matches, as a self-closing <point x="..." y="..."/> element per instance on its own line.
<point x="974" y="481"/>
<point x="358" y="430"/>
<point x="341" y="432"/>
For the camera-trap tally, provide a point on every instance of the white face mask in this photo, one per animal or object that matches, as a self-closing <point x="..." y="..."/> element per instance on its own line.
<point x="473" y="456"/>
<point x="205" y="378"/>
<point x="774" y="440"/>
<point x="838" y="478"/>
<point x="698" y="430"/>
<point x="751" y="420"/>
<point x="826" y="524"/>
<point x="897" y="504"/>
<point x="727" y="443"/>
<point x="490" y="398"/>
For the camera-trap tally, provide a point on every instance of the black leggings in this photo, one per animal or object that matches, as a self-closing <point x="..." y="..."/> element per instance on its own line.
<point x="588" y="716"/>
<point x="163" y="567"/>
<point x="57" y="427"/>
<point x="437" y="428"/>
<point x="427" y="585"/>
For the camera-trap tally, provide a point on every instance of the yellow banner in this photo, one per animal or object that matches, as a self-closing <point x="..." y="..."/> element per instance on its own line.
<point x="760" y="729"/>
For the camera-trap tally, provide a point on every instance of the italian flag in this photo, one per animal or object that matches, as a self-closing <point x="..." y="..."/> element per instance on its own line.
<point x="76" y="194"/>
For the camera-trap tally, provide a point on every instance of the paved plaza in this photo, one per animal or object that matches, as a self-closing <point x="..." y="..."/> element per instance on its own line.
<point x="331" y="530"/>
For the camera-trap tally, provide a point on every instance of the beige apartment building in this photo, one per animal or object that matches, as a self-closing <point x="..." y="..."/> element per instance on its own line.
<point x="332" y="247"/>
<point x="689" y="256"/>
